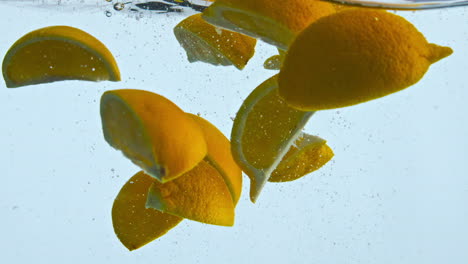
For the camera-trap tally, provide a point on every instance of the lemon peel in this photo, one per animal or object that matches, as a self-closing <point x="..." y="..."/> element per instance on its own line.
<point x="152" y="132"/>
<point x="207" y="43"/>
<point x="58" y="53"/>
<point x="134" y="224"/>
<point x="219" y="156"/>
<point x="354" y="56"/>
<point x="309" y="153"/>
<point x="201" y="194"/>
<point x="264" y="129"/>
<point x="266" y="19"/>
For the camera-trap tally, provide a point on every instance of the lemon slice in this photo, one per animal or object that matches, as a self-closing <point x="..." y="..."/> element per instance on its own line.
<point x="309" y="153"/>
<point x="152" y="132"/>
<point x="264" y="129"/>
<point x="275" y="22"/>
<point x="219" y="156"/>
<point x="58" y="53"/>
<point x="206" y="43"/>
<point x="354" y="56"/>
<point x="200" y="195"/>
<point x="134" y="224"/>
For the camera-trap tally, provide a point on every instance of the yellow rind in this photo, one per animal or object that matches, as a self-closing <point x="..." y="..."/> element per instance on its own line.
<point x="153" y="132"/>
<point x="259" y="152"/>
<point x="134" y="224"/>
<point x="200" y="195"/>
<point x="16" y="63"/>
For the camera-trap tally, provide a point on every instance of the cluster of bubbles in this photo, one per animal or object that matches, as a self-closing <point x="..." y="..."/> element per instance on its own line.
<point x="120" y="6"/>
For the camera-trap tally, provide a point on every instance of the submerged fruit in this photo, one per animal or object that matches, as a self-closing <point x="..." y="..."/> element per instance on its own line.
<point x="134" y="224"/>
<point x="201" y="194"/>
<point x="264" y="130"/>
<point x="275" y="22"/>
<point x="354" y="56"/>
<point x="58" y="53"/>
<point x="207" y="43"/>
<point x="153" y="132"/>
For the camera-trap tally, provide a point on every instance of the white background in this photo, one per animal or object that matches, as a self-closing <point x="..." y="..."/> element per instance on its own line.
<point x="395" y="192"/>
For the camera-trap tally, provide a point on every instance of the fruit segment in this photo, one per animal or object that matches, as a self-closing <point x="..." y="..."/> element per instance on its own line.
<point x="152" y="132"/>
<point x="58" y="53"/>
<point x="219" y="156"/>
<point x="134" y="224"/>
<point x="275" y="22"/>
<point x="354" y="56"/>
<point x="264" y="129"/>
<point x="207" y="43"/>
<point x="200" y="195"/>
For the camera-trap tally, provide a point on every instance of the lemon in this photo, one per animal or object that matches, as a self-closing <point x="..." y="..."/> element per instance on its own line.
<point x="219" y="156"/>
<point x="206" y="43"/>
<point x="153" y="132"/>
<point x="134" y="224"/>
<point x="264" y="130"/>
<point x="209" y="192"/>
<point x="275" y="22"/>
<point x="354" y="56"/>
<point x="58" y="53"/>
<point x="201" y="194"/>
<point x="309" y="153"/>
<point x="274" y="62"/>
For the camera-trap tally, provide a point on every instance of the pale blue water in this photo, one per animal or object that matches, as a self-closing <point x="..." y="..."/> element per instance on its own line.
<point x="395" y="192"/>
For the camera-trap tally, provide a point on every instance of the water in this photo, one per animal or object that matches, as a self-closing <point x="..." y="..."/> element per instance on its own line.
<point x="395" y="192"/>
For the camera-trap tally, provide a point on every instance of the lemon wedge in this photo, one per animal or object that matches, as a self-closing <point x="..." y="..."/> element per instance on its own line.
<point x="207" y="43"/>
<point x="264" y="131"/>
<point x="58" y="53"/>
<point x="275" y="22"/>
<point x="152" y="132"/>
<point x="134" y="224"/>
<point x="354" y="56"/>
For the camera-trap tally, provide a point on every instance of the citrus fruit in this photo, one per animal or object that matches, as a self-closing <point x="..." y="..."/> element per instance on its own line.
<point x="275" y="22"/>
<point x="201" y="194"/>
<point x="275" y="61"/>
<point x="264" y="130"/>
<point x="153" y="132"/>
<point x="309" y="153"/>
<point x="207" y="43"/>
<point x="134" y="224"/>
<point x="219" y="156"/>
<point x="58" y="53"/>
<point x="354" y="56"/>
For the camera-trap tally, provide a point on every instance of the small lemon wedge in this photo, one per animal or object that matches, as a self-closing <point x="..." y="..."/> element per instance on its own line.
<point x="207" y="43"/>
<point x="58" y="53"/>
<point x="152" y="132"/>
<point x="275" y="22"/>
<point x="134" y="224"/>
<point x="264" y="131"/>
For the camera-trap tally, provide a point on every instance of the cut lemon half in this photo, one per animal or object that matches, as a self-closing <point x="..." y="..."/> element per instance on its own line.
<point x="200" y="195"/>
<point x="58" y="53"/>
<point x="264" y="129"/>
<point x="219" y="156"/>
<point x="275" y="22"/>
<point x="309" y="153"/>
<point x="207" y="43"/>
<point x="152" y="132"/>
<point x="134" y="224"/>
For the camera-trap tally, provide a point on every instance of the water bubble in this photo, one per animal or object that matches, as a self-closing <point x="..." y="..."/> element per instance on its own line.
<point x="108" y="13"/>
<point x="109" y="1"/>
<point x="119" y="6"/>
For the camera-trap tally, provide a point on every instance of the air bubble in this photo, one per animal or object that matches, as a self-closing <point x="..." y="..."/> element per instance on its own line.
<point x="119" y="6"/>
<point x="108" y="13"/>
